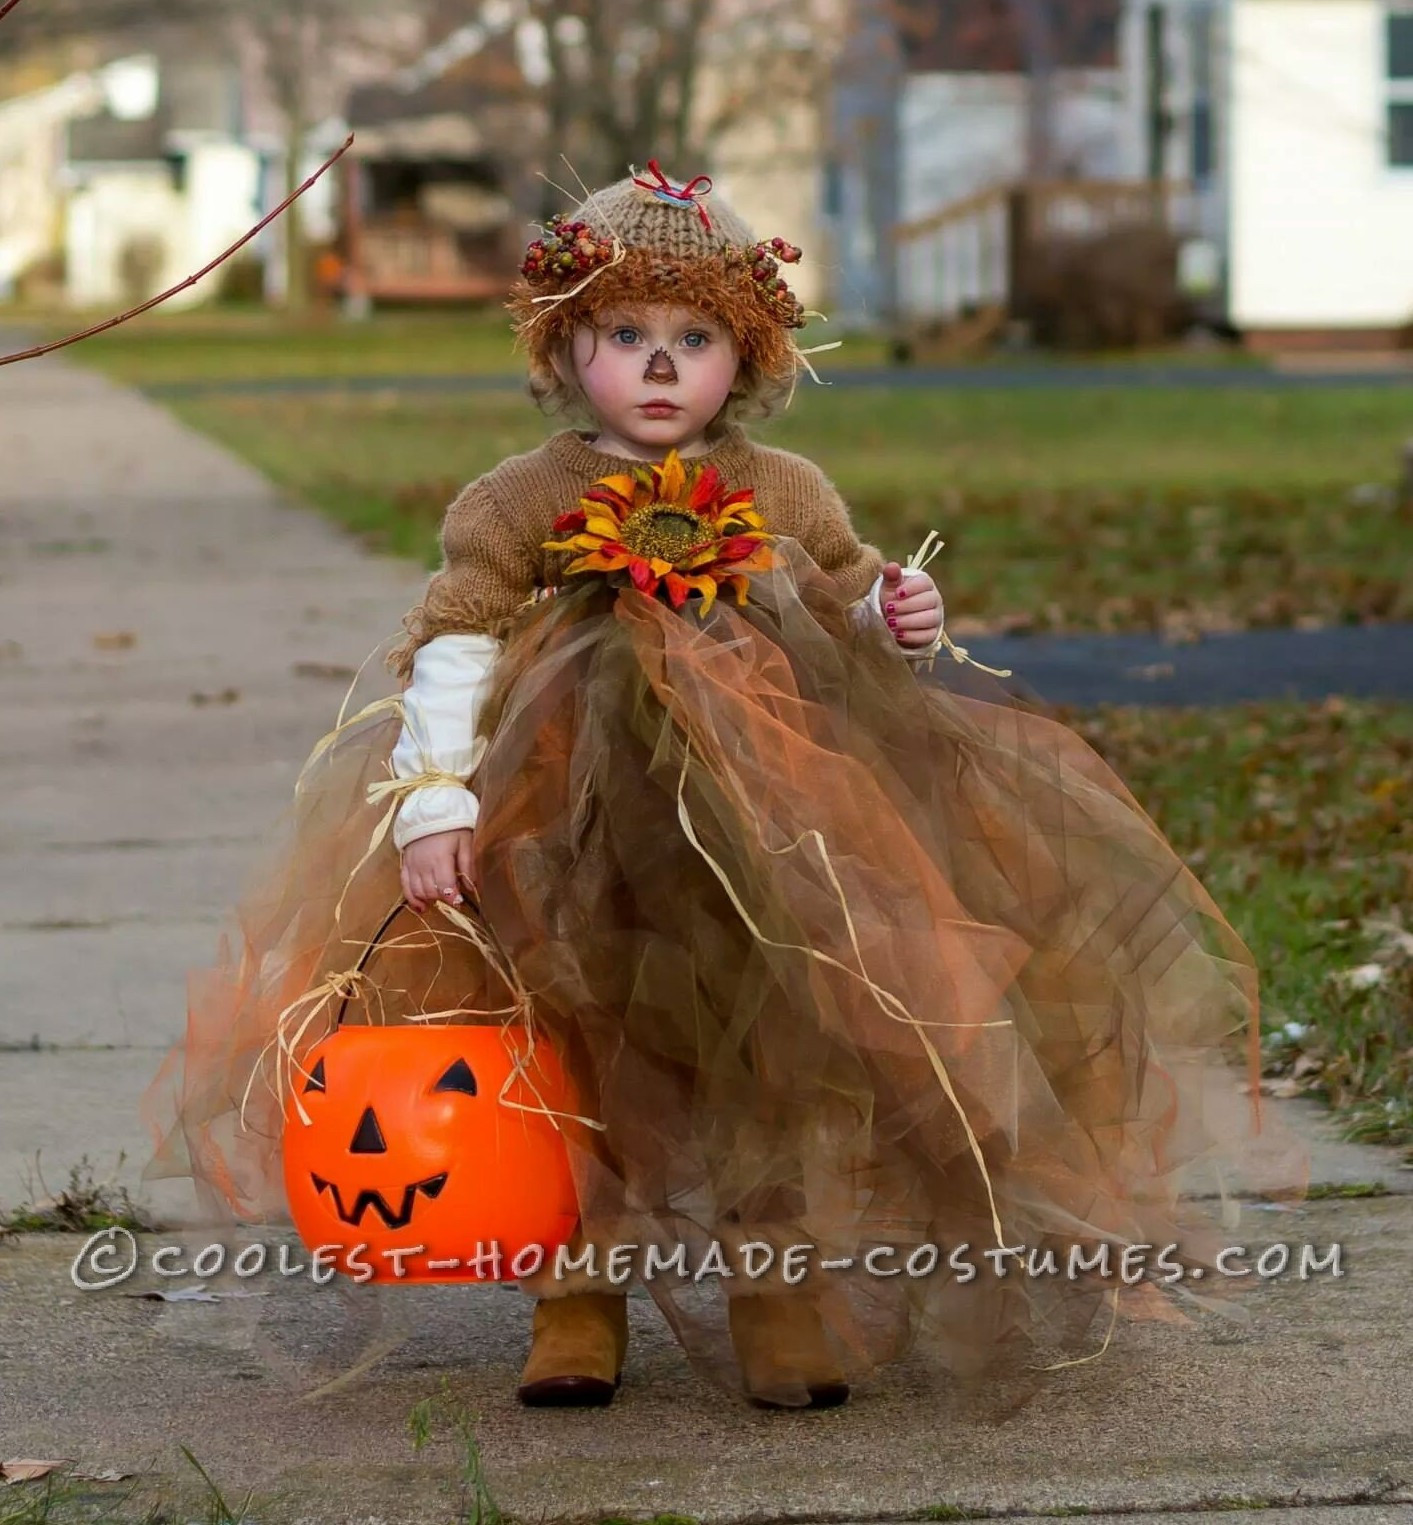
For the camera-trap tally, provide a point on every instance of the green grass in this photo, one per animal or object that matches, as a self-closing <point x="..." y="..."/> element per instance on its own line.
<point x="252" y="344"/>
<point x="1096" y="508"/>
<point x="1086" y="508"/>
<point x="83" y="1206"/>
<point x="64" y="1496"/>
<point x="477" y="1503"/>
<point x="233" y="344"/>
<point x="1299" y="821"/>
<point x="249" y="344"/>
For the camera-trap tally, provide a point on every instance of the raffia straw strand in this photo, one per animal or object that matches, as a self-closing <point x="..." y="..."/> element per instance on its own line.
<point x="390" y="705"/>
<point x="1094" y="1354"/>
<point x="884" y="998"/>
<point x="334" y="986"/>
<point x="362" y="668"/>
<point x="341" y="985"/>
<point x="397" y="789"/>
<point x="503" y="967"/>
<point x="620" y="249"/>
<point x="925" y="553"/>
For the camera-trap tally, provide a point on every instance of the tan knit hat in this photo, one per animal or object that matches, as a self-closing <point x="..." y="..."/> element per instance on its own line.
<point x="647" y="239"/>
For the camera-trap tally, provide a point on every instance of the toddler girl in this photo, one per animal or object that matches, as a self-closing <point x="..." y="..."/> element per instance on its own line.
<point x="883" y="999"/>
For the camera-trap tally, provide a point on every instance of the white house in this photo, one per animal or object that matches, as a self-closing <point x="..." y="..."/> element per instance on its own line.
<point x="1320" y="171"/>
<point x="1295" y="120"/>
<point x="32" y="146"/>
<point x="963" y="109"/>
<point x="1280" y="133"/>
<point x="160" y="184"/>
<point x="949" y="116"/>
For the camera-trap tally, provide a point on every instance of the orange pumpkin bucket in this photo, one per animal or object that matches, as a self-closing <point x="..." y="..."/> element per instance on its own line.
<point x="408" y="1157"/>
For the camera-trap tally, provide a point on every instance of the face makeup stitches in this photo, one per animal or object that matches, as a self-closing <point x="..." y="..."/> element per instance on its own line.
<point x="654" y="378"/>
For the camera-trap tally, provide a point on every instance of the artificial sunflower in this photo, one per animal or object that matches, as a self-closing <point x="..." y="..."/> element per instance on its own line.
<point x="673" y="527"/>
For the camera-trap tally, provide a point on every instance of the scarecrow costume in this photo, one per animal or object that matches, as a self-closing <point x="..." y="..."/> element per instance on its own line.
<point x="837" y="959"/>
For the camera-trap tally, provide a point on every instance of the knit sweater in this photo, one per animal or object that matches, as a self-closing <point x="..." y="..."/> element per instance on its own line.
<point x="492" y="562"/>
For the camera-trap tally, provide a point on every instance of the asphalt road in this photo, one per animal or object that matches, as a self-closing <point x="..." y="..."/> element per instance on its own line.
<point x="1357" y="661"/>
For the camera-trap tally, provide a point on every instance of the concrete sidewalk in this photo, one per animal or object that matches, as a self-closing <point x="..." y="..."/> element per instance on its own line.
<point x="1306" y="1404"/>
<point x="174" y="639"/>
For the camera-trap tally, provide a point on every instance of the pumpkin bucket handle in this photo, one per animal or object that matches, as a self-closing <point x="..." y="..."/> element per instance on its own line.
<point x="371" y="949"/>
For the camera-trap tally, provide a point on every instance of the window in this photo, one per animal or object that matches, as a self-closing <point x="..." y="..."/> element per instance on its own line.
<point x="1398" y="68"/>
<point x="1400" y="46"/>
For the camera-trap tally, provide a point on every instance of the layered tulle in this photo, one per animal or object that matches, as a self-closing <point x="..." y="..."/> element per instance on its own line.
<point x="838" y="959"/>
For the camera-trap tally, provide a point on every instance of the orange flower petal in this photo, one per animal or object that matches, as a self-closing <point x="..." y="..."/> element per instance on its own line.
<point x="672" y="478"/>
<point x="704" y="489"/>
<point x="620" y="486"/>
<point x="598" y="562"/>
<point x="599" y="524"/>
<point x="737" y="548"/>
<point x="761" y="560"/>
<point x="574" y="543"/>
<point x="677" y="589"/>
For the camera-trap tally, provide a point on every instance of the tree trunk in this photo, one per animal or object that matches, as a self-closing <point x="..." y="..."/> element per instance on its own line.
<point x="1036" y="23"/>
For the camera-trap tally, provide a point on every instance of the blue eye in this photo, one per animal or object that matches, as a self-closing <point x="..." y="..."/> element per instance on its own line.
<point x="697" y="334"/>
<point x="624" y="330"/>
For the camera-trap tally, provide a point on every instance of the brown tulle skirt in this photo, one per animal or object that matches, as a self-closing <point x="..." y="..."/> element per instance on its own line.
<point x="899" y="972"/>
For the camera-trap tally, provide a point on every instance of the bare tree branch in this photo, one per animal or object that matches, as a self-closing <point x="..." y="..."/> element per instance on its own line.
<point x="191" y="280"/>
<point x="624" y="84"/>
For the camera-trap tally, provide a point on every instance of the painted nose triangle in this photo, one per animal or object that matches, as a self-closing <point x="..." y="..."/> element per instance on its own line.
<point x="369" y="1138"/>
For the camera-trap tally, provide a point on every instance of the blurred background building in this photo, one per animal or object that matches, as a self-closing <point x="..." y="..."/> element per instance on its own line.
<point x="959" y="172"/>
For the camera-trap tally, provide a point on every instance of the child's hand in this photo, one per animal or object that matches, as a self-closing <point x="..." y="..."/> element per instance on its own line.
<point x="435" y="867"/>
<point x="911" y="605"/>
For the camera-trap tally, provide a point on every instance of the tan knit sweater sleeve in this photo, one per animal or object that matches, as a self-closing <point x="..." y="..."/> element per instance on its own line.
<point x="490" y="567"/>
<point x="799" y="500"/>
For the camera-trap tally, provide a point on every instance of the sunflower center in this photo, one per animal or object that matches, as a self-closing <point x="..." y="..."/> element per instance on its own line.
<point x="664" y="530"/>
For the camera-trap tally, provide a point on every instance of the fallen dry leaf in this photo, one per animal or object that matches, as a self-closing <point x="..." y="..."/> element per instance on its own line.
<point x="334" y="671"/>
<point x="1361" y="977"/>
<point x="115" y="640"/>
<point x="192" y="1294"/>
<point x="29" y="1471"/>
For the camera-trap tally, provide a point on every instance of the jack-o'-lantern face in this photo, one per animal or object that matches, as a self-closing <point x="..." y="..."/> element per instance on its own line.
<point x="368" y="1138"/>
<point x="408" y="1147"/>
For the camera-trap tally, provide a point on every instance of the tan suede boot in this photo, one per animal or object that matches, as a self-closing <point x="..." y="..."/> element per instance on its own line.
<point x="577" y="1350"/>
<point x="785" y="1357"/>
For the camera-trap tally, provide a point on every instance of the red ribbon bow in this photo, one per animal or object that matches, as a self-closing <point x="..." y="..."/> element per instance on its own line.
<point x="686" y="196"/>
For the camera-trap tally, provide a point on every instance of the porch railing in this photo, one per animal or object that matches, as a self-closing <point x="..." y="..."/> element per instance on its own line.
<point x="971" y="257"/>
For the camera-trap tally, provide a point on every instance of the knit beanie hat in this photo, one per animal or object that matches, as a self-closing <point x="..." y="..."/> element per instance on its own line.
<point x="648" y="240"/>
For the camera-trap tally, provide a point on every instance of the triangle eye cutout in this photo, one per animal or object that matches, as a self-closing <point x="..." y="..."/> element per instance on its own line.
<point x="457" y="1078"/>
<point x="316" y="1079"/>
